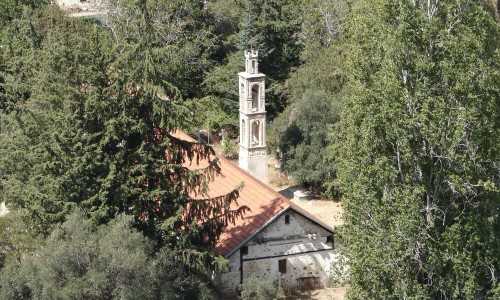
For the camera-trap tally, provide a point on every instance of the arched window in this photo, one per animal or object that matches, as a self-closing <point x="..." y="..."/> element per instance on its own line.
<point x="242" y="96"/>
<point x="254" y="70"/>
<point x="255" y="97"/>
<point x="243" y="132"/>
<point x="255" y="133"/>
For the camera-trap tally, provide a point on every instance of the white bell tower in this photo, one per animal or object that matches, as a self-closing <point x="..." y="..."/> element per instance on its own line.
<point x="253" y="155"/>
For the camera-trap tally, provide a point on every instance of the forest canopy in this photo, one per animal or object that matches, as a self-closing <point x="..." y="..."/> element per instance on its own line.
<point x="390" y="106"/>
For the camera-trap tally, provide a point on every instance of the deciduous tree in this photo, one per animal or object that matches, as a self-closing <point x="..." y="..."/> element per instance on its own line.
<point x="114" y="261"/>
<point x="417" y="150"/>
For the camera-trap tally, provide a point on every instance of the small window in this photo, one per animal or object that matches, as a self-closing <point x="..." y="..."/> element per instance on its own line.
<point x="282" y="266"/>
<point x="244" y="250"/>
<point x="287" y="219"/>
<point x="329" y="240"/>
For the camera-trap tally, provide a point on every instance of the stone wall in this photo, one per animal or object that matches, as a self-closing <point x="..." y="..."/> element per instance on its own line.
<point x="292" y="238"/>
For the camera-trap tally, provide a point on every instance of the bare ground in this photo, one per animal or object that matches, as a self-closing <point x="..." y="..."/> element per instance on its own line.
<point x="328" y="211"/>
<point x="337" y="293"/>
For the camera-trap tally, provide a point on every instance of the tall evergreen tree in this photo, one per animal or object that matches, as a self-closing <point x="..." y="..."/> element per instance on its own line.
<point x="417" y="150"/>
<point x="272" y="28"/>
<point x="41" y="112"/>
<point x="149" y="106"/>
<point x="301" y="130"/>
<point x="94" y="129"/>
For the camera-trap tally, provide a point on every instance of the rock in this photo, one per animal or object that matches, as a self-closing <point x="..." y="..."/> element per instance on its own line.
<point x="3" y="209"/>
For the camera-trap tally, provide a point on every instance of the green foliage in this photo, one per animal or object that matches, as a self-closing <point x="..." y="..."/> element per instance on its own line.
<point x="15" y="239"/>
<point x="339" y="270"/>
<point x="169" y="40"/>
<point x="257" y="289"/>
<point x="88" y="118"/>
<point x="416" y="142"/>
<point x="303" y="142"/>
<point x="272" y="28"/>
<point x="221" y="107"/>
<point x="226" y="15"/>
<point x="112" y="261"/>
<point x="324" y="20"/>
<point x="301" y="131"/>
<point x="43" y="111"/>
<point x="228" y="146"/>
<point x="11" y="9"/>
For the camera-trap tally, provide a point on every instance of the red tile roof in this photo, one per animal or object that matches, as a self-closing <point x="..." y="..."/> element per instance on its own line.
<point x="265" y="203"/>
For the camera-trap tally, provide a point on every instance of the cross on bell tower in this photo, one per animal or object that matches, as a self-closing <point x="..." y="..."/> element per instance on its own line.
<point x="253" y="155"/>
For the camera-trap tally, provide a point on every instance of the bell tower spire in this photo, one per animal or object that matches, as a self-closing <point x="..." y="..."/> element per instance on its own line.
<point x="253" y="155"/>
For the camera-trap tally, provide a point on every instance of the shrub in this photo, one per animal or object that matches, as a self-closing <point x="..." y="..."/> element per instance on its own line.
<point x="257" y="289"/>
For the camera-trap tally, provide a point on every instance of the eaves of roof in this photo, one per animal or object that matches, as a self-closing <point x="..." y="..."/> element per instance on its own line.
<point x="294" y="208"/>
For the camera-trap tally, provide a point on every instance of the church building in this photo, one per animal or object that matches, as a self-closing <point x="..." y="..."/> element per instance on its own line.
<point x="276" y="240"/>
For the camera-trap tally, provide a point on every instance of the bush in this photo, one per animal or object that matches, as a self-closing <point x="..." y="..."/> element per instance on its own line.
<point x="228" y="146"/>
<point x="256" y="289"/>
<point x="114" y="261"/>
<point x="339" y="272"/>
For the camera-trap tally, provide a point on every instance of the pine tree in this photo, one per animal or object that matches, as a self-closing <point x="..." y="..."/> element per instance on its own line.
<point x="301" y="130"/>
<point x="272" y="28"/>
<point x="417" y="150"/>
<point x="95" y="129"/>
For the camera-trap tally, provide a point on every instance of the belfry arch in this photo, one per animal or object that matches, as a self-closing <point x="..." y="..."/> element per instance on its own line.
<point x="255" y="97"/>
<point x="255" y="133"/>
<point x="242" y="94"/>
<point x="243" y="132"/>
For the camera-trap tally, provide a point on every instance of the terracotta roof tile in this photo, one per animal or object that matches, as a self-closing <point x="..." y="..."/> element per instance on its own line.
<point x="264" y="203"/>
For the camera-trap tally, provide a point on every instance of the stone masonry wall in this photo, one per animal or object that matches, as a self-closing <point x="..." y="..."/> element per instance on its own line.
<point x="302" y="243"/>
